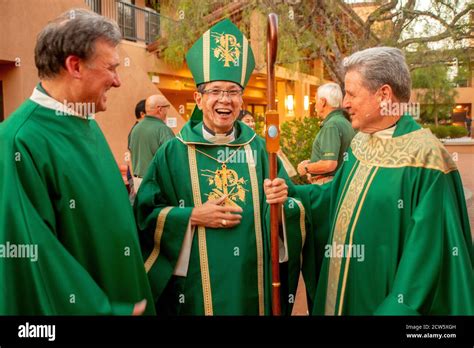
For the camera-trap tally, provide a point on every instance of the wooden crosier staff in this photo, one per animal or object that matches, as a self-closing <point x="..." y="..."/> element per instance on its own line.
<point x="272" y="136"/>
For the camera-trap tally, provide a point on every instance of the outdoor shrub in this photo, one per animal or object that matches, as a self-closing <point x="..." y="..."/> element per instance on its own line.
<point x="457" y="132"/>
<point x="297" y="137"/>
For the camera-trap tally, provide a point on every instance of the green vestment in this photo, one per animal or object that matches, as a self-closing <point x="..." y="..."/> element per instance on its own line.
<point x="146" y="137"/>
<point x="228" y="271"/>
<point x="61" y="191"/>
<point x="391" y="231"/>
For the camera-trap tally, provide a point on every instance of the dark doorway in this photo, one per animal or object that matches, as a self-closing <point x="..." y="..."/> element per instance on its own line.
<point x="2" y="116"/>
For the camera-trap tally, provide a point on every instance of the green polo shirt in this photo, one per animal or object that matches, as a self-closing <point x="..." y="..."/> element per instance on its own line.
<point x="333" y="139"/>
<point x="145" y="139"/>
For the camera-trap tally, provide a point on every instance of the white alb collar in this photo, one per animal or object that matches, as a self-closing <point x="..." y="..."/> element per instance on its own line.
<point x="385" y="133"/>
<point x="218" y="139"/>
<point x="61" y="109"/>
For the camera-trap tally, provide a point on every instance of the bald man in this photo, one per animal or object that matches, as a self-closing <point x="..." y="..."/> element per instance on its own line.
<point x="148" y="136"/>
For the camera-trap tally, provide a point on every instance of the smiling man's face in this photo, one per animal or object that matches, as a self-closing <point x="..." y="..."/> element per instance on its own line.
<point x="362" y="104"/>
<point x="100" y="74"/>
<point x="220" y="111"/>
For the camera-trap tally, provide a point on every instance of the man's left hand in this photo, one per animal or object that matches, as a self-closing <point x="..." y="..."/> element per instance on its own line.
<point x="276" y="190"/>
<point x="301" y="167"/>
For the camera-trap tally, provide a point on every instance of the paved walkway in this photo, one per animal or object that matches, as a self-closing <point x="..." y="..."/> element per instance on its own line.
<point x="464" y="156"/>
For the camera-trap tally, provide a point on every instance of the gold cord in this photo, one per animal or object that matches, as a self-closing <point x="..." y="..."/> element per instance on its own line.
<point x="215" y="159"/>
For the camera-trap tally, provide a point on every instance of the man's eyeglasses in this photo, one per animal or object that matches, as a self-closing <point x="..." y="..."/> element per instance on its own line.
<point x="219" y="93"/>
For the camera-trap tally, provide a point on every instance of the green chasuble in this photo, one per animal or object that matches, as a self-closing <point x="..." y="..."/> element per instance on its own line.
<point x="391" y="230"/>
<point x="68" y="243"/>
<point x="224" y="271"/>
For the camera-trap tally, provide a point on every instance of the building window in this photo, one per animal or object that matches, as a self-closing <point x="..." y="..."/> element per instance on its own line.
<point x="152" y="26"/>
<point x="126" y="19"/>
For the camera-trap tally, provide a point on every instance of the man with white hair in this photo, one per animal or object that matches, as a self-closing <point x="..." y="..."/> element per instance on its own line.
<point x="333" y="139"/>
<point x="147" y="137"/>
<point x="391" y="230"/>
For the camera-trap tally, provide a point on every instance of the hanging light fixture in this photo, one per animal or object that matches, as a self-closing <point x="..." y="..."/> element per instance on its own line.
<point x="306" y="103"/>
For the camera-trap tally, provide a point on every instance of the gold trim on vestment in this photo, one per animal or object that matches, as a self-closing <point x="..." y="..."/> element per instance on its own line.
<point x="258" y="229"/>
<point x="416" y="149"/>
<point x="206" y="55"/>
<point x="302" y="222"/>
<point x="302" y="226"/>
<point x="160" y="225"/>
<point x="351" y="237"/>
<point x="343" y="220"/>
<point x="244" y="61"/>
<point x="343" y="192"/>
<point x="204" y="262"/>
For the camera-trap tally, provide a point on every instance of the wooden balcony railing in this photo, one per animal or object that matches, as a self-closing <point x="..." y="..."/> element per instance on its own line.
<point x="136" y="23"/>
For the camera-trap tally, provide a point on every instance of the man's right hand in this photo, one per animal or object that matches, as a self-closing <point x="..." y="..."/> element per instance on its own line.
<point x="139" y="308"/>
<point x="213" y="214"/>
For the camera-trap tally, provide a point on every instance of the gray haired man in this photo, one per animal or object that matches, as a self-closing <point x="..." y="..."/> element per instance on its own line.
<point x="60" y="187"/>
<point x="331" y="143"/>
<point x="391" y="229"/>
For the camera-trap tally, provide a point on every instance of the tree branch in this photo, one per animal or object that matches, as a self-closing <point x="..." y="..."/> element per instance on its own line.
<point x="402" y="21"/>
<point x="379" y="12"/>
<point x="444" y="35"/>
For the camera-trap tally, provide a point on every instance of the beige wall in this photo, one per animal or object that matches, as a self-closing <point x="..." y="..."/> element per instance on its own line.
<point x="13" y="91"/>
<point x="20" y="22"/>
<point x="465" y="95"/>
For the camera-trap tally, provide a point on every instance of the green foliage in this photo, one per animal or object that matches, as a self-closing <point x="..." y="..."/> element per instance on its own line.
<point x="440" y="132"/>
<point x="443" y="132"/>
<point x="457" y="132"/>
<point x="297" y="139"/>
<point x="464" y="74"/>
<point x="174" y="54"/>
<point x="298" y="45"/>
<point x="314" y="29"/>
<point x="183" y="29"/>
<point x="260" y="125"/>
